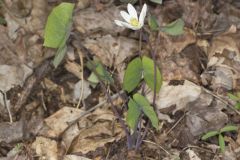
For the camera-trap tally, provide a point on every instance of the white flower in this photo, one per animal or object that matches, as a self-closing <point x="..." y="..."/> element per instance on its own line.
<point x="131" y="18"/>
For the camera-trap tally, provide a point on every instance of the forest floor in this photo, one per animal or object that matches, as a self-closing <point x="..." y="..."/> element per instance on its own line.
<point x="59" y="113"/>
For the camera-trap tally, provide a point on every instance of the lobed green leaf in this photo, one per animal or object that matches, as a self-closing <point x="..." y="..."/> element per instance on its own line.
<point x="146" y="108"/>
<point x="133" y="114"/>
<point x="151" y="114"/>
<point x="157" y="1"/>
<point x="148" y="74"/>
<point x="174" y="28"/>
<point x="58" y="26"/>
<point x="152" y="22"/>
<point x="133" y="75"/>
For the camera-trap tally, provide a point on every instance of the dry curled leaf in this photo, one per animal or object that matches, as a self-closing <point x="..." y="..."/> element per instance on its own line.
<point x="45" y="148"/>
<point x="111" y="50"/>
<point x="89" y="20"/>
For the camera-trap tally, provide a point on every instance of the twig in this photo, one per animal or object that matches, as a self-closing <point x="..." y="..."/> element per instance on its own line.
<point x="43" y="103"/>
<point x="82" y="87"/>
<point x="155" y="74"/>
<point x="6" y="105"/>
<point x="221" y="99"/>
<point x="140" y="43"/>
<point x="180" y="119"/>
<point x="146" y="141"/>
<point x="190" y="146"/>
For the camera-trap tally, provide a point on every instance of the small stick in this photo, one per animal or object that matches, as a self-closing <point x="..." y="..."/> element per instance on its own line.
<point x="82" y="87"/>
<point x="221" y="99"/>
<point x="146" y="141"/>
<point x="43" y="103"/>
<point x="6" y="105"/>
<point x="180" y="119"/>
<point x="190" y="146"/>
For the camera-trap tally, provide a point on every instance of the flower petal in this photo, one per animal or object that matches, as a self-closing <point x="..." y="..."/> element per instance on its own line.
<point x="125" y="16"/>
<point x="119" y="23"/>
<point x="143" y="14"/>
<point x="132" y="11"/>
<point x="127" y="25"/>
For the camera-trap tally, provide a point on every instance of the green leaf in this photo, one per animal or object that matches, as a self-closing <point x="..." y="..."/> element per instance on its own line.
<point x="233" y="97"/>
<point x="148" y="73"/>
<point x="174" y="28"/>
<point x="238" y="94"/>
<point x="58" y="25"/>
<point x="129" y="1"/>
<point x="152" y="22"/>
<point x="133" y="114"/>
<point x="103" y="74"/>
<point x="157" y="1"/>
<point x="151" y="114"/>
<point x="133" y="75"/>
<point x="146" y="108"/>
<point x="237" y="106"/>
<point x="59" y="55"/>
<point x="93" y="78"/>
<point x="229" y="128"/>
<point x="209" y="134"/>
<point x="221" y="142"/>
<point x="2" y="21"/>
<point x="141" y="100"/>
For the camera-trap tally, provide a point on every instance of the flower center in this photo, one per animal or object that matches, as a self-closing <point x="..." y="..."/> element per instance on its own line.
<point x="134" y="22"/>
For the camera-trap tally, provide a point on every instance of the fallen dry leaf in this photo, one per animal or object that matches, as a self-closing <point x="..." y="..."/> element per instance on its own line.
<point x="204" y="114"/>
<point x="10" y="133"/>
<point x="173" y="44"/>
<point x="74" y="157"/>
<point x="58" y="122"/>
<point x="88" y="20"/>
<point x="78" y="89"/>
<point x="111" y="50"/>
<point x="98" y="135"/>
<point x="178" y="95"/>
<point x="11" y="76"/>
<point x="192" y="155"/>
<point x="223" y="62"/>
<point x="185" y="65"/>
<point x="45" y="148"/>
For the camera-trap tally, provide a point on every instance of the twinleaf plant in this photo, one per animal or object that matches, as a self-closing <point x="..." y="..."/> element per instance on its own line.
<point x="141" y="69"/>
<point x="221" y="142"/>
<point x="58" y="29"/>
